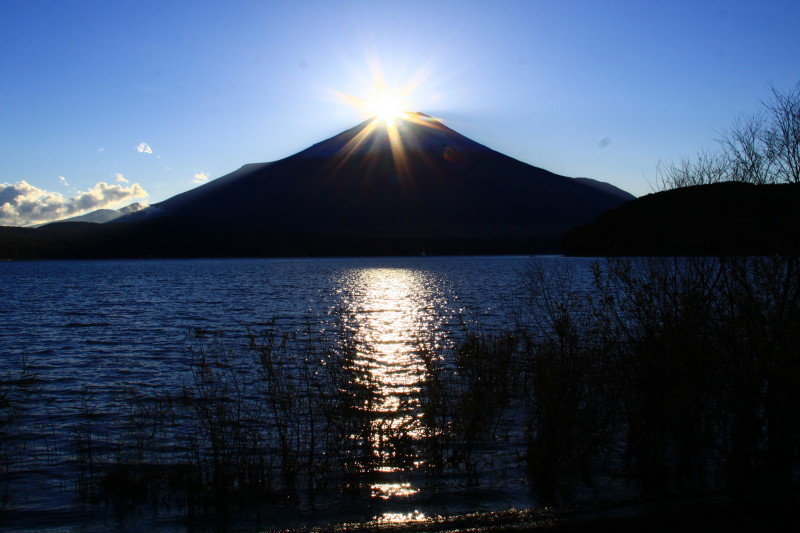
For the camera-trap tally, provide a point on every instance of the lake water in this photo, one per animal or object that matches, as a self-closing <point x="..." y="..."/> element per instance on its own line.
<point x="91" y="329"/>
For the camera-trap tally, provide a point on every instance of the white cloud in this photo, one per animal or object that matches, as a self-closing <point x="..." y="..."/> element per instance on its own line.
<point x="144" y="148"/>
<point x="63" y="180"/>
<point x="120" y="178"/>
<point x="22" y="204"/>
<point x="200" y="177"/>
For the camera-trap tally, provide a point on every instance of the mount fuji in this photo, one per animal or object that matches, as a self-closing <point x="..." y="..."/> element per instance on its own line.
<point x="406" y="186"/>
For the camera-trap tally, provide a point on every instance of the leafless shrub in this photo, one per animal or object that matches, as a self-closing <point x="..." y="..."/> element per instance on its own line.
<point x="759" y="149"/>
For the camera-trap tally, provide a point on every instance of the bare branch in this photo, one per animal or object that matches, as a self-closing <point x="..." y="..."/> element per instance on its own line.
<point x="761" y="149"/>
<point x="707" y="167"/>
<point x="744" y="149"/>
<point x="783" y="136"/>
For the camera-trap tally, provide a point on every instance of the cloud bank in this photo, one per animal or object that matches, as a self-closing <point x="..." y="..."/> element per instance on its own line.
<point x="22" y="204"/>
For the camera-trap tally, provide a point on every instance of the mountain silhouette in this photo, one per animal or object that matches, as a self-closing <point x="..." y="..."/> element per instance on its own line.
<point x="403" y="187"/>
<point x="101" y="216"/>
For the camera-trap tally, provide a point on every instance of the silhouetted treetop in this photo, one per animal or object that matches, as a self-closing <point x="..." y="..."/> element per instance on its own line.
<point x="760" y="149"/>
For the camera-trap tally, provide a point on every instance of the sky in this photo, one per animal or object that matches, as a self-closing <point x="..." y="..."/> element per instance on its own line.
<point x="105" y="103"/>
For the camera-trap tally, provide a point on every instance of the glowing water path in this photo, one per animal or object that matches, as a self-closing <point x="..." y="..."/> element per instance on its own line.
<point x="392" y="314"/>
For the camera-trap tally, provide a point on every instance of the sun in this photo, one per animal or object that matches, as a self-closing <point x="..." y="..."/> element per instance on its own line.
<point x="383" y="107"/>
<point x="387" y="101"/>
<point x="386" y="107"/>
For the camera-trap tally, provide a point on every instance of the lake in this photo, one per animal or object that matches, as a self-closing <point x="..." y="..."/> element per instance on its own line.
<point x="81" y="342"/>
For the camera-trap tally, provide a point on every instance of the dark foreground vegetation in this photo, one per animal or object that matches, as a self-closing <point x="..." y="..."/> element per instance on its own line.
<point x="664" y="376"/>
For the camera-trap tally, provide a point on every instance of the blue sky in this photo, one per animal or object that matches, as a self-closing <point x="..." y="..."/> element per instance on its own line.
<point x="598" y="89"/>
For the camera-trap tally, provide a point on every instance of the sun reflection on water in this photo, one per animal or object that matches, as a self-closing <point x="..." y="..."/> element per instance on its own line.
<point x="385" y="491"/>
<point x="399" y="518"/>
<point x="391" y="313"/>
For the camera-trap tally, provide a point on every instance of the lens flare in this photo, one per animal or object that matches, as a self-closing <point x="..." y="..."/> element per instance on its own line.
<point x="389" y="110"/>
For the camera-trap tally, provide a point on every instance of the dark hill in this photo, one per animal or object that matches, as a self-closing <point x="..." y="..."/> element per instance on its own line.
<point x="371" y="190"/>
<point x="718" y="219"/>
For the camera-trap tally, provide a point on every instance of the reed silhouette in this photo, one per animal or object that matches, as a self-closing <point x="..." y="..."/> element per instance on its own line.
<point x="682" y="371"/>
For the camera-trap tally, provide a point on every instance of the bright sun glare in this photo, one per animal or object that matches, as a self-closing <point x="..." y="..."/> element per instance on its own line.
<point x="385" y="102"/>
<point x="386" y="107"/>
